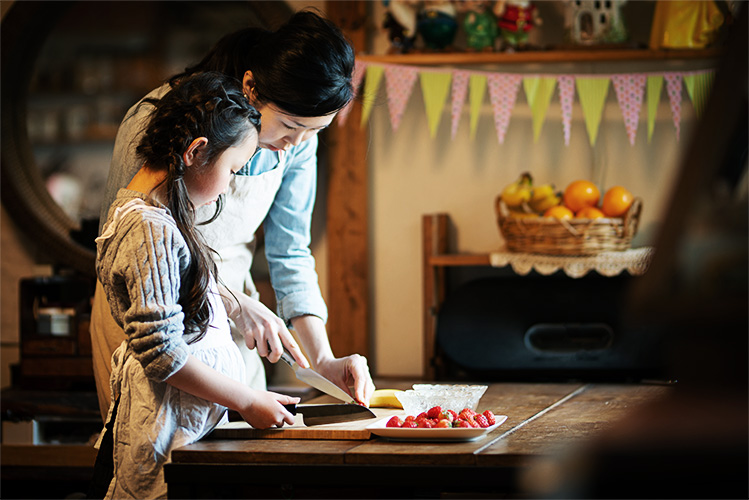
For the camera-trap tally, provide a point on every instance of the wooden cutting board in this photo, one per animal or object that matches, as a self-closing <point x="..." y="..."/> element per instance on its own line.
<point x="356" y="430"/>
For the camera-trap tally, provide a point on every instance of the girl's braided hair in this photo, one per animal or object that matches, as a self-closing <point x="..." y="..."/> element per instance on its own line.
<point x="209" y="105"/>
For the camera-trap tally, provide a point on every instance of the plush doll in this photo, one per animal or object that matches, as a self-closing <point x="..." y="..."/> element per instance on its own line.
<point x="480" y="25"/>
<point x="400" y="23"/>
<point x="437" y="24"/>
<point x="516" y="18"/>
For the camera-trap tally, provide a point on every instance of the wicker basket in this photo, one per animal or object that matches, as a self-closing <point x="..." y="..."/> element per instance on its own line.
<point x="550" y="236"/>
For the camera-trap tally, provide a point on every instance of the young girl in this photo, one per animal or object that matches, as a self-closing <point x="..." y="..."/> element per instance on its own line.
<point x="178" y="370"/>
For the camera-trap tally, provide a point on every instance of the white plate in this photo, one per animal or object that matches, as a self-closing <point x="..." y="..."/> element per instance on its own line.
<point x="435" y="434"/>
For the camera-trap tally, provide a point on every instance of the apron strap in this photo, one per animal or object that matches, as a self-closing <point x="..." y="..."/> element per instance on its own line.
<point x="104" y="465"/>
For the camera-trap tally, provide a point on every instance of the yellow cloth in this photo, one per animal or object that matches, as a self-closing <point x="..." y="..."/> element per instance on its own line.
<point x="685" y="24"/>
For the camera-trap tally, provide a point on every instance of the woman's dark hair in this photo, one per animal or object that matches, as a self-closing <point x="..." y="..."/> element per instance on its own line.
<point x="209" y="105"/>
<point x="304" y="68"/>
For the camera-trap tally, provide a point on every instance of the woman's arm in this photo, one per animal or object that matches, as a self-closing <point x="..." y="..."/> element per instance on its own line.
<point x="260" y="326"/>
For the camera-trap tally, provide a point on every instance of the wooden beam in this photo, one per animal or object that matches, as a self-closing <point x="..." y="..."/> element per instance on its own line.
<point x="347" y="210"/>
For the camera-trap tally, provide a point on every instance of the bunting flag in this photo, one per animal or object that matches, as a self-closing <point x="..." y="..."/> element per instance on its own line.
<point x="698" y="87"/>
<point x="592" y="92"/>
<point x="435" y="86"/>
<point x="470" y="85"/>
<point x="655" y="86"/>
<point x="673" y="88"/>
<point x="538" y="92"/>
<point x="478" y="89"/>
<point x="399" y="81"/>
<point x="629" y="91"/>
<point x="359" y="68"/>
<point x="503" y="92"/>
<point x="460" y="90"/>
<point x="566" y="96"/>
<point x="371" y="84"/>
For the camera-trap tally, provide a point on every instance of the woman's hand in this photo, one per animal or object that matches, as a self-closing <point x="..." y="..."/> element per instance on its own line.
<point x="349" y="371"/>
<point x="261" y="328"/>
<point x="264" y="409"/>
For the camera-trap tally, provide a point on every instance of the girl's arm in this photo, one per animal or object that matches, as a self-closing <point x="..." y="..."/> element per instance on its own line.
<point x="261" y="409"/>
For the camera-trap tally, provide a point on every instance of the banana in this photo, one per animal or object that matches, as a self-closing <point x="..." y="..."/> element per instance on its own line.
<point x="519" y="192"/>
<point x="385" y="398"/>
<point x="543" y="198"/>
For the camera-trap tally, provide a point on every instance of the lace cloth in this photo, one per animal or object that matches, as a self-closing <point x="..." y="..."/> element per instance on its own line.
<point x="635" y="261"/>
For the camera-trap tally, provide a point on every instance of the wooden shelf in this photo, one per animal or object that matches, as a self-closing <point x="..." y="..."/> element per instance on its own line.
<point x="539" y="56"/>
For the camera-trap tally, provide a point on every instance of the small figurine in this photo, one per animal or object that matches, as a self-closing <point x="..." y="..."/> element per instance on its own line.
<point x="516" y="18"/>
<point x="437" y="24"/>
<point x="400" y="23"/>
<point x="593" y="22"/>
<point x="480" y="25"/>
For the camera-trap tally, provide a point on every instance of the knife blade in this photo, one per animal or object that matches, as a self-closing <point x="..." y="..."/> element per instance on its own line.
<point x="317" y="414"/>
<point x="311" y="377"/>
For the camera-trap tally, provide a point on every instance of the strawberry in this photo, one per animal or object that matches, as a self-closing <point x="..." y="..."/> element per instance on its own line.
<point x="395" y="421"/>
<point x="447" y="415"/>
<point x="461" y="423"/>
<point x="424" y="423"/>
<point x="466" y="413"/>
<point x="444" y="423"/>
<point x="453" y="414"/>
<point x="423" y="414"/>
<point x="482" y="421"/>
<point x="490" y="417"/>
<point x="434" y="412"/>
<point x="411" y="424"/>
<point x="410" y="418"/>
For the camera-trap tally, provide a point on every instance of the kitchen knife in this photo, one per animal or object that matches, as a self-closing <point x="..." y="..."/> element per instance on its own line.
<point x="330" y="413"/>
<point x="311" y="377"/>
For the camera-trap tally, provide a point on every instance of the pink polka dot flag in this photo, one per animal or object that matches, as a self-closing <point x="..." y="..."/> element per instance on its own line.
<point x="566" y="96"/>
<point x="399" y="81"/>
<point x="673" y="89"/>
<point x="630" y="89"/>
<point x="503" y="91"/>
<point x="459" y="92"/>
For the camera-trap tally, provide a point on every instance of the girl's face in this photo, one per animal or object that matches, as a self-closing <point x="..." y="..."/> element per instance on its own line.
<point x="280" y="131"/>
<point x="205" y="183"/>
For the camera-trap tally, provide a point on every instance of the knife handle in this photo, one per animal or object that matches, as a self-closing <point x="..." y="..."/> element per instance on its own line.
<point x="291" y="408"/>
<point x="286" y="357"/>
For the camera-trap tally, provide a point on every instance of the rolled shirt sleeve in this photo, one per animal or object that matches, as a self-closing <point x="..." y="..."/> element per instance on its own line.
<point x="287" y="237"/>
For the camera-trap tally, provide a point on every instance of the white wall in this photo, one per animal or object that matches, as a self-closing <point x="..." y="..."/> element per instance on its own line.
<point x="412" y="174"/>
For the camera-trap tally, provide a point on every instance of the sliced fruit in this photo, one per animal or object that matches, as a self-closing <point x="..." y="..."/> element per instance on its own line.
<point x="385" y="398"/>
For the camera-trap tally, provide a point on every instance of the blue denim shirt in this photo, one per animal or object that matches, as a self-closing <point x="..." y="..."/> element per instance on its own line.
<point x="286" y="226"/>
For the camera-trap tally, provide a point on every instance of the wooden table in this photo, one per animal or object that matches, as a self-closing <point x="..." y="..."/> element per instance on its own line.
<point x="543" y="420"/>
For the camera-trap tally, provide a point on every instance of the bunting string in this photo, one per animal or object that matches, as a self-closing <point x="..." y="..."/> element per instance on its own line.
<point x="458" y="86"/>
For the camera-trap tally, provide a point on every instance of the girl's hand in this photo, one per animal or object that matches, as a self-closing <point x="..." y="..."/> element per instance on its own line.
<point x="264" y="409"/>
<point x="349" y="371"/>
<point x="262" y="329"/>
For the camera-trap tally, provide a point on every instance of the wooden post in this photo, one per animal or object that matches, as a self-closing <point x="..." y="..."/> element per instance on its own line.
<point x="347" y="214"/>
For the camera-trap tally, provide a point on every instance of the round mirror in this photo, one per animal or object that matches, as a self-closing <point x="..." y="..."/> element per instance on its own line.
<point x="70" y="72"/>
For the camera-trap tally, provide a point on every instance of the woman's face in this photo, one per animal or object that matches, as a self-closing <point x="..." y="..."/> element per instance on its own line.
<point x="280" y="131"/>
<point x="205" y="183"/>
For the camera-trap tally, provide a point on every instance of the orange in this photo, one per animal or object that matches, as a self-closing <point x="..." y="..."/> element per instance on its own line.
<point x="589" y="213"/>
<point x="616" y="201"/>
<point x="581" y="194"/>
<point x="559" y="212"/>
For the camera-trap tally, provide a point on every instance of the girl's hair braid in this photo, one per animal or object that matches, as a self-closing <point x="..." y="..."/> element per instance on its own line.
<point x="209" y="105"/>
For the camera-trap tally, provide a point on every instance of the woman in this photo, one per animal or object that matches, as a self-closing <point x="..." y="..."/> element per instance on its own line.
<point x="298" y="77"/>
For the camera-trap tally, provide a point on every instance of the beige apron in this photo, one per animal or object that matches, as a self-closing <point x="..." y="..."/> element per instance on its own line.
<point x="232" y="235"/>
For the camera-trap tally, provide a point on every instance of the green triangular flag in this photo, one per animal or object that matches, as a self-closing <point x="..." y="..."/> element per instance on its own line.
<point x="698" y="88"/>
<point x="592" y="92"/>
<point x="655" y="84"/>
<point x="371" y="84"/>
<point x="477" y="86"/>
<point x="538" y="92"/>
<point x="434" y="87"/>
